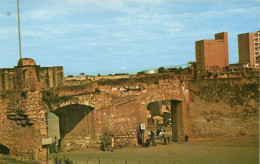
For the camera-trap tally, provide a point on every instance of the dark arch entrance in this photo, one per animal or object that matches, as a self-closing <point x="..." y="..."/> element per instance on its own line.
<point x="4" y="150"/>
<point x="75" y="123"/>
<point x="168" y="115"/>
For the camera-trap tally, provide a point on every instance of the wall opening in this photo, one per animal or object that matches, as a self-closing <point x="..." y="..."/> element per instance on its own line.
<point x="166" y="116"/>
<point x="53" y="131"/>
<point x="159" y="119"/>
<point x="76" y="123"/>
<point x="4" y="150"/>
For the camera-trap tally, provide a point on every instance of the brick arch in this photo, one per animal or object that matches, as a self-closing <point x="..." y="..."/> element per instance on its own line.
<point x="4" y="149"/>
<point x="69" y="103"/>
<point x="75" y="120"/>
<point x="177" y="117"/>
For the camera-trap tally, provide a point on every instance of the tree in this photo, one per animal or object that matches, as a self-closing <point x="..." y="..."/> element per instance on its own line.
<point x="161" y="70"/>
<point x="140" y="73"/>
<point x="82" y="74"/>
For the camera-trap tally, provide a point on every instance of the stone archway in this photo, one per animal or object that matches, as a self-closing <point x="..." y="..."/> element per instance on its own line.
<point x="172" y="116"/>
<point x="53" y="127"/>
<point x="4" y="150"/>
<point x="76" y="125"/>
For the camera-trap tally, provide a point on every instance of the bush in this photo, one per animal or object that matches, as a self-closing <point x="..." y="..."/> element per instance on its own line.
<point x="62" y="160"/>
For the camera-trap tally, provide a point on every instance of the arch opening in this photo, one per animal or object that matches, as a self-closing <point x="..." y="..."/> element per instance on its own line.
<point x="4" y="150"/>
<point x="73" y="123"/>
<point x="165" y="117"/>
<point x="53" y="131"/>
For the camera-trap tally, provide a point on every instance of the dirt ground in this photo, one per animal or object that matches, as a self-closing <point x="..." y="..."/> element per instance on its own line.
<point x="244" y="150"/>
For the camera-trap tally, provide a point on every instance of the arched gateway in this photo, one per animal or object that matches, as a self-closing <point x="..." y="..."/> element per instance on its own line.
<point x="85" y="112"/>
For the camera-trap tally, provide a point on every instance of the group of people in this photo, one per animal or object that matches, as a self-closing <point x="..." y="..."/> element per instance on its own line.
<point x="161" y="133"/>
<point x="107" y="143"/>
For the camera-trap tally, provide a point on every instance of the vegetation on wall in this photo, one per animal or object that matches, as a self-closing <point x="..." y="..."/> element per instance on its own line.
<point x="232" y="92"/>
<point x="51" y="99"/>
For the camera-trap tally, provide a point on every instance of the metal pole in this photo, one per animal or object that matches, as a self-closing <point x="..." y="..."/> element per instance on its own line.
<point x="19" y="35"/>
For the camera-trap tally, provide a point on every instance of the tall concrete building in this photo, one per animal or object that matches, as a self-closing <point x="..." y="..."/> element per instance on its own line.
<point x="249" y="48"/>
<point x="212" y="54"/>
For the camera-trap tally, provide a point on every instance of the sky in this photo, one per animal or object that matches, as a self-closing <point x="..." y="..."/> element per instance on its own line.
<point x="119" y="36"/>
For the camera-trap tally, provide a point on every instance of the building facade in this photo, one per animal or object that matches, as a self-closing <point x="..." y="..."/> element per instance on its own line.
<point x="212" y="54"/>
<point x="249" y="48"/>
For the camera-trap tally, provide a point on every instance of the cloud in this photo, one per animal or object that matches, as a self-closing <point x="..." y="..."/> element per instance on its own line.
<point x="7" y="32"/>
<point x="236" y="10"/>
<point x="46" y="12"/>
<point x="114" y="1"/>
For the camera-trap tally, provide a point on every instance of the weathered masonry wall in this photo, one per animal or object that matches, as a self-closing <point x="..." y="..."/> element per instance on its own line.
<point x="86" y="112"/>
<point x="224" y="107"/>
<point x="47" y="76"/>
<point x="87" y="127"/>
<point x="51" y="77"/>
<point x="22" y="124"/>
<point x="119" y="107"/>
<point x="7" y="79"/>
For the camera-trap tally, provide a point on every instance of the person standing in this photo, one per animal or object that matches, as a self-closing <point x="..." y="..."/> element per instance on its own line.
<point x="55" y="144"/>
<point x="152" y="138"/>
<point x="105" y="142"/>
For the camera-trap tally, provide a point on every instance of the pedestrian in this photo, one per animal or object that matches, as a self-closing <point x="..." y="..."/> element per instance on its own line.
<point x="161" y="132"/>
<point x="55" y="144"/>
<point x="152" y="138"/>
<point x="112" y="142"/>
<point x="59" y="145"/>
<point x="105" y="142"/>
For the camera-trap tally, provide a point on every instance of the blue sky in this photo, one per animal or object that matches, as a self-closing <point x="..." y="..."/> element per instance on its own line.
<point x="115" y="36"/>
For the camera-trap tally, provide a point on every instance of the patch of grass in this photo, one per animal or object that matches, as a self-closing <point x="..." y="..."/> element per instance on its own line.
<point x="62" y="160"/>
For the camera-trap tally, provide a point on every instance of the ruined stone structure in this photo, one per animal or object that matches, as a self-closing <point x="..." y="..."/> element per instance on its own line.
<point x="86" y="112"/>
<point x="47" y="77"/>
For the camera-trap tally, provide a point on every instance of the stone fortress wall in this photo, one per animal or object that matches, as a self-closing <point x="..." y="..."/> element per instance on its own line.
<point x="86" y="112"/>
<point x="47" y="76"/>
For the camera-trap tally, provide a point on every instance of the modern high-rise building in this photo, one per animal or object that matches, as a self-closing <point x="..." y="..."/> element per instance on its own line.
<point x="249" y="48"/>
<point x="212" y="54"/>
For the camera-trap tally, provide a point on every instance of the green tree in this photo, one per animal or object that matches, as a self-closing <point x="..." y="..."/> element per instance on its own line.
<point x="82" y="74"/>
<point x="161" y="70"/>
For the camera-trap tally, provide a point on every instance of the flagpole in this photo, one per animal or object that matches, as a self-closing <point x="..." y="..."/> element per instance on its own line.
<point x="19" y="35"/>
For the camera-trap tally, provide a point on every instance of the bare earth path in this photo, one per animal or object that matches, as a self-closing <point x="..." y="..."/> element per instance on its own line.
<point x="235" y="150"/>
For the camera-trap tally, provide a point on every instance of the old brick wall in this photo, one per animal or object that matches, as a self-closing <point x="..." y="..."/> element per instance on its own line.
<point x="86" y="112"/>
<point x="51" y="77"/>
<point x="7" y="79"/>
<point x="22" y="124"/>
<point x="224" y="107"/>
<point x="13" y="78"/>
<point x="119" y="107"/>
